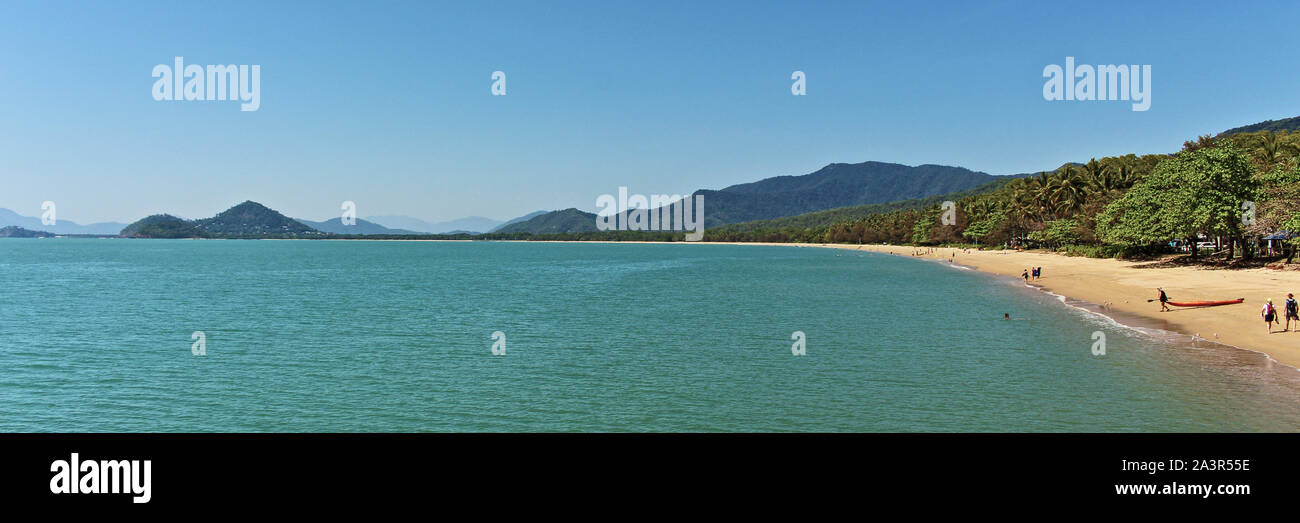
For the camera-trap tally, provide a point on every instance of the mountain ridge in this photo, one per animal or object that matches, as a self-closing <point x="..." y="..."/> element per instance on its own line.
<point x="9" y="217"/>
<point x="834" y="186"/>
<point x="363" y="227"/>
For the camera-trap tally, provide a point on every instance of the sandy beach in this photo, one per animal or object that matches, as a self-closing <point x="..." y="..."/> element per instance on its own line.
<point x="1127" y="285"/>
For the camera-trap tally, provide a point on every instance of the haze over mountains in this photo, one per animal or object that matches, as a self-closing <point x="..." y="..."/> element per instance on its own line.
<point x="8" y="218"/>
<point x="834" y="186"/>
<point x="835" y="192"/>
<point x="254" y="220"/>
<point x="336" y="226"/>
<point x="467" y="224"/>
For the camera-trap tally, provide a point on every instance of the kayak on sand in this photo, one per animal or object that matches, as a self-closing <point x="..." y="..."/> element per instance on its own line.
<point x="1205" y="303"/>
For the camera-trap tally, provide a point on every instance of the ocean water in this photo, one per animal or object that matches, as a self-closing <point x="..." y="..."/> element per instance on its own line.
<point x="329" y="336"/>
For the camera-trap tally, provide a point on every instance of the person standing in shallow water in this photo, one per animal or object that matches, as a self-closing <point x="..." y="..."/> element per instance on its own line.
<point x="1025" y="275"/>
<point x="1164" y="300"/>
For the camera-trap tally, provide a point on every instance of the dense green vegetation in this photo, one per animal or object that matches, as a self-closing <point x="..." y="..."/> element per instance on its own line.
<point x="1112" y="206"/>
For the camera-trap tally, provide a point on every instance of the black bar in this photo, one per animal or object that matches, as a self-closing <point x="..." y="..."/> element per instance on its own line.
<point x="333" y="470"/>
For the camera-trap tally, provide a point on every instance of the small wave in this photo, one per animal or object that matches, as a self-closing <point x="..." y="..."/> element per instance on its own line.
<point x="1098" y="311"/>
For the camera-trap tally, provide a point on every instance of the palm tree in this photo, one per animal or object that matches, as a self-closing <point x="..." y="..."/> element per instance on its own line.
<point x="1070" y="193"/>
<point x="1094" y="170"/>
<point x="1023" y="205"/>
<point x="1125" y="177"/>
<point x="977" y="209"/>
<point x="1271" y="149"/>
<point x="1040" y="192"/>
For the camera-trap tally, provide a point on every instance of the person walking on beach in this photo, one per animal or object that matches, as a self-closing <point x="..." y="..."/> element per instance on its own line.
<point x="1164" y="300"/>
<point x="1292" y="312"/>
<point x="1269" y="313"/>
<point x="1025" y="275"/>
<point x="1038" y="273"/>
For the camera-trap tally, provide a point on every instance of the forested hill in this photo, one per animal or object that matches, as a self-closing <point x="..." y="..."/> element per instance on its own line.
<point x="833" y="186"/>
<point x="246" y="220"/>
<point x="1285" y="124"/>
<point x="555" y="222"/>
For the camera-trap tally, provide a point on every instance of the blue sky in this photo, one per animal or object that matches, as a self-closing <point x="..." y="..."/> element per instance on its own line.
<point x="389" y="104"/>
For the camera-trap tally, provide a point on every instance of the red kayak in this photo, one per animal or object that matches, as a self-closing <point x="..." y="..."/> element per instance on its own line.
<point x="1205" y="303"/>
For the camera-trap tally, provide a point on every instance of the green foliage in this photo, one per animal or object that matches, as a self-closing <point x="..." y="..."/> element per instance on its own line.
<point x="921" y="229"/>
<point x="1197" y="191"/>
<point x="982" y="230"/>
<point x="1058" y="232"/>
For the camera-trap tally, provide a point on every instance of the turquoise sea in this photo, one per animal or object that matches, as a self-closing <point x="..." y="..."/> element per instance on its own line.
<point x="372" y="336"/>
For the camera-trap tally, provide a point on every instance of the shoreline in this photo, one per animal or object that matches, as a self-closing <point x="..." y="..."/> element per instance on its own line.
<point x="1113" y="286"/>
<point x="1125" y="286"/>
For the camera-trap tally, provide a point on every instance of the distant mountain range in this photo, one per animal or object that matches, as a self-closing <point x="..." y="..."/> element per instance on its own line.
<point x="841" y="214"/>
<point x="254" y="220"/>
<point x="8" y="218"/>
<point x="336" y="226"/>
<point x="836" y="191"/>
<point x="834" y="186"/>
<point x="471" y="224"/>
<point x="523" y="218"/>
